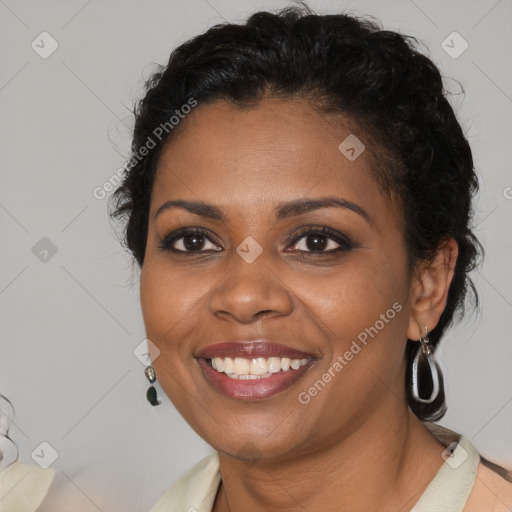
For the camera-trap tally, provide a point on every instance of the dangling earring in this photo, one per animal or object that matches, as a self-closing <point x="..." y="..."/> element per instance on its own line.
<point x="151" y="394"/>
<point x="424" y="381"/>
<point x="424" y="361"/>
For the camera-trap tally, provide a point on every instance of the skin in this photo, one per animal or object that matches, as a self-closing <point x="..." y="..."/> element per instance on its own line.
<point x="356" y="444"/>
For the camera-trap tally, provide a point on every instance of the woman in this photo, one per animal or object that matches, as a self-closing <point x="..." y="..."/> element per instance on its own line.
<point x="299" y="202"/>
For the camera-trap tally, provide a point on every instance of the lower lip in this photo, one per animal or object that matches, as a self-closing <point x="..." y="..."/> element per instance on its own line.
<point x="252" y="389"/>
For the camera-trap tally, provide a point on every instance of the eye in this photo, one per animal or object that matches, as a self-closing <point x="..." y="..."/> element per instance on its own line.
<point x="188" y="240"/>
<point x="320" y="240"/>
<point x="312" y="239"/>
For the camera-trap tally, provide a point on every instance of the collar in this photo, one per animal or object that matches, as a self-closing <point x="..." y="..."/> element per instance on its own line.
<point x="448" y="490"/>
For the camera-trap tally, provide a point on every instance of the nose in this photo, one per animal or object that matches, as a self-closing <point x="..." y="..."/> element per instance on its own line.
<point x="249" y="291"/>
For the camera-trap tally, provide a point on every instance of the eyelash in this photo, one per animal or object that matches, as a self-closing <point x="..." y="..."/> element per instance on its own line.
<point x="345" y="244"/>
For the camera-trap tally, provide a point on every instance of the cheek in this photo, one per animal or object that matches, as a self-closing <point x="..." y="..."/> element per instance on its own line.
<point x="173" y="303"/>
<point x="166" y="310"/>
<point x="353" y="298"/>
<point x="162" y="306"/>
<point x="152" y="297"/>
<point x="361" y="311"/>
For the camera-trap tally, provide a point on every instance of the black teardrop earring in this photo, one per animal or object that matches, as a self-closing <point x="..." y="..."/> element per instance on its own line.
<point x="426" y="383"/>
<point x="151" y="393"/>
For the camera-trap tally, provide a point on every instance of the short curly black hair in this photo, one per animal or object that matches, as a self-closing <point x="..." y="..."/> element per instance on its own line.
<point x="342" y="65"/>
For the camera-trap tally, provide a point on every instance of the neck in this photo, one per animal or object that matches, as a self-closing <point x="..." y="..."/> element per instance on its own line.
<point x="385" y="464"/>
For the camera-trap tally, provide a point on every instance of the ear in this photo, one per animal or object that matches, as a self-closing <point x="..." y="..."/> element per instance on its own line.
<point x="429" y="289"/>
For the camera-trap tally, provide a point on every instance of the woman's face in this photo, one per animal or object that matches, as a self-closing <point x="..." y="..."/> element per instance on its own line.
<point x="335" y="300"/>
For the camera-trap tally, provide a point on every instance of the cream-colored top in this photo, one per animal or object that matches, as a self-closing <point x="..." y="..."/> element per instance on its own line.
<point x="462" y="484"/>
<point x="23" y="487"/>
<point x="447" y="492"/>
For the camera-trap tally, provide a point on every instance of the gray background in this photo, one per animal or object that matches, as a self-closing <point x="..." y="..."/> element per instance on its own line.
<point x="70" y="323"/>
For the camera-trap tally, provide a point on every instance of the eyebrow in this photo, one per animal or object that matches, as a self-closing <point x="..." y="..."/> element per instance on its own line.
<point x="282" y="211"/>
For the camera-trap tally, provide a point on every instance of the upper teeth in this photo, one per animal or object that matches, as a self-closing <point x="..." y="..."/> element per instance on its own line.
<point x="260" y="367"/>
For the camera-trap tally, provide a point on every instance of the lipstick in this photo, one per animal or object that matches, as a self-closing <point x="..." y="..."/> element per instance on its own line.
<point x="253" y="370"/>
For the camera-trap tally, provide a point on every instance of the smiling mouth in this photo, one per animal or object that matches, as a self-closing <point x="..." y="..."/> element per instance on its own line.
<point x="269" y="377"/>
<point x="253" y="369"/>
<point x="257" y="368"/>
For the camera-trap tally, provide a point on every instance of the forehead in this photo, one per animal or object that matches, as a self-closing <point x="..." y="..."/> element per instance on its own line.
<point x="280" y="149"/>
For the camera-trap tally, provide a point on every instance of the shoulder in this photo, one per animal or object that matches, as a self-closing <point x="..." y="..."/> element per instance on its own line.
<point x="24" y="486"/>
<point x="196" y="490"/>
<point x="489" y="486"/>
<point x="491" y="492"/>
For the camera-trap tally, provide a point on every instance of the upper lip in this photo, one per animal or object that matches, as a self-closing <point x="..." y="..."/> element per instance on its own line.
<point x="252" y="349"/>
